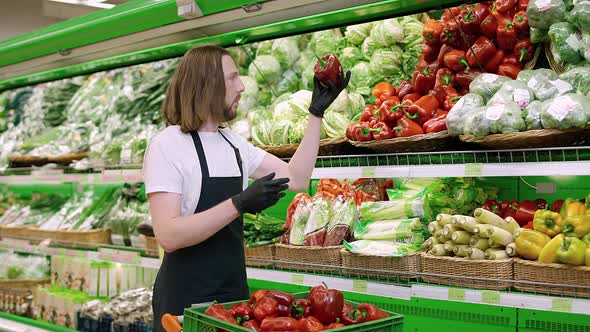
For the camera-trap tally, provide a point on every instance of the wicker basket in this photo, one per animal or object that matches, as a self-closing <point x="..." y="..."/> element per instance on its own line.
<point x="151" y="246"/>
<point x="533" y="139"/>
<point x="531" y="63"/>
<point x="380" y="267"/>
<point x="449" y="270"/>
<point x="552" y="274"/>
<point x="328" y="147"/>
<point x="554" y="65"/>
<point x="69" y="239"/>
<point x="427" y="142"/>
<point x="23" y="285"/>
<point x="27" y="161"/>
<point x="67" y="159"/>
<point x="303" y="258"/>
<point x="266" y="253"/>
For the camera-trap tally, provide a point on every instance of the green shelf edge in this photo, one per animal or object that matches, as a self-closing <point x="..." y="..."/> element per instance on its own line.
<point x="36" y="323"/>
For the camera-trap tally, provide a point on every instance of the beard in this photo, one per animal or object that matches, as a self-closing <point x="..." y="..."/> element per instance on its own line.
<point x="229" y="113"/>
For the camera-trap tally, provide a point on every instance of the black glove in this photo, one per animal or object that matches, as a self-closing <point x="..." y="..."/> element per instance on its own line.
<point x="263" y="193"/>
<point x="323" y="96"/>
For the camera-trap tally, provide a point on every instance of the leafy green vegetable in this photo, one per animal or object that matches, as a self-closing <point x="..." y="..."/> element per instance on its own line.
<point x="349" y="56"/>
<point x="335" y="124"/>
<point x="325" y="42"/>
<point x="579" y="78"/>
<point x="513" y="91"/>
<point x="265" y="69"/>
<point x="387" y="32"/>
<point x="538" y="36"/>
<point x="463" y="109"/>
<point x="580" y="16"/>
<point x="386" y="62"/>
<point x="262" y="229"/>
<point x="368" y="47"/>
<point x="533" y="115"/>
<point x="356" y="34"/>
<point x="542" y="13"/>
<point x="289" y="82"/>
<point x="486" y="85"/>
<point x="285" y="50"/>
<point x="565" y="43"/>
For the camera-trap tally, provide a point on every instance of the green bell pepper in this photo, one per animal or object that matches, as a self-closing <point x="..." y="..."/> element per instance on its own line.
<point x="572" y="251"/>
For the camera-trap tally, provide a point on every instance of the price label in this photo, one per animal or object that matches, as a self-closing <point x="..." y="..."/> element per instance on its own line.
<point x="491" y="297"/>
<point x="359" y="286"/>
<point x="473" y="169"/>
<point x="562" y="86"/>
<point x="368" y="172"/>
<point x="297" y="279"/>
<point x="489" y="78"/>
<point x="522" y="97"/>
<point x="563" y="305"/>
<point x="494" y="112"/>
<point x="456" y="294"/>
<point x="543" y="5"/>
<point x="573" y="42"/>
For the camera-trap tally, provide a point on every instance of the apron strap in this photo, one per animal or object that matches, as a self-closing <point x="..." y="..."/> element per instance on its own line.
<point x="237" y="152"/>
<point x="200" y="154"/>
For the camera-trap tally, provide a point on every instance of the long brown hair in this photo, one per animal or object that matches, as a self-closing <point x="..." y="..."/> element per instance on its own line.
<point x="197" y="89"/>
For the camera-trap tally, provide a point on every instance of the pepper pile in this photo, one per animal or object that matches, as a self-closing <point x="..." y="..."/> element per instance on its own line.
<point x="560" y="235"/>
<point x="523" y="212"/>
<point x="272" y="310"/>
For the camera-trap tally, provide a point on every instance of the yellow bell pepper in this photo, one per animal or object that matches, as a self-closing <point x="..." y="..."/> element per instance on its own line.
<point x="572" y="207"/>
<point x="572" y="251"/>
<point x="586" y="239"/>
<point x="549" y="251"/>
<point x="530" y="243"/>
<point x="587" y="255"/>
<point x="547" y="222"/>
<point x="577" y="226"/>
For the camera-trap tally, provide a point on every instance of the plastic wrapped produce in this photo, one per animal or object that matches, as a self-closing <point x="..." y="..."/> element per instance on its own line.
<point x="380" y="248"/>
<point x="317" y="224"/>
<point x="545" y="84"/>
<point x="486" y="85"/>
<point x="533" y="115"/>
<point x="477" y="124"/>
<point x="343" y="219"/>
<point x="580" y="16"/>
<point x="568" y="111"/>
<point x="387" y="229"/>
<point x="565" y="43"/>
<point x="585" y="48"/>
<point x="543" y="13"/>
<point x="501" y="118"/>
<point x="513" y="91"/>
<point x="579" y="78"/>
<point x="538" y="35"/>
<point x="463" y="109"/>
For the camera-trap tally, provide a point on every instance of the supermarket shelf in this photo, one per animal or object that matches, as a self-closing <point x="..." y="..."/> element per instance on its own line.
<point x="13" y="323"/>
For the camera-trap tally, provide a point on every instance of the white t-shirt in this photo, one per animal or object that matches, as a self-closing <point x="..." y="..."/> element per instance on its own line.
<point x="171" y="163"/>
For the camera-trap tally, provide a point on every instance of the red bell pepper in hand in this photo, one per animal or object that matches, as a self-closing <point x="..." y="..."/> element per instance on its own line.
<point x="493" y="64"/>
<point x="522" y="5"/>
<point x="404" y="88"/>
<point x="521" y="22"/>
<point x="310" y="324"/>
<point x="326" y="304"/>
<point x="431" y="32"/>
<point x="301" y="308"/>
<point x="437" y="123"/>
<point x="241" y="311"/>
<point x="372" y="312"/>
<point x="451" y="99"/>
<point x="265" y="307"/>
<point x="406" y="127"/>
<point x="430" y="52"/>
<point x="481" y="51"/>
<point x="423" y="80"/>
<point x="423" y="109"/>
<point x="353" y="317"/>
<point x="328" y="69"/>
<point x="257" y="295"/>
<point x="282" y="298"/>
<point x="469" y="21"/>
<point x="282" y="324"/>
<point x="383" y="90"/>
<point x="410" y="99"/>
<point x="524" y="50"/>
<point x="489" y="25"/>
<point x="449" y="14"/>
<point x="389" y="113"/>
<point x="509" y="70"/>
<point x="464" y="78"/>
<point x="334" y="326"/>
<point x="451" y="34"/>
<point x="504" y="6"/>
<point x="456" y="61"/>
<point x="493" y="206"/>
<point x="252" y="325"/>
<point x="444" y="77"/>
<point x="556" y="206"/>
<point x="218" y="311"/>
<point x="362" y="132"/>
<point x="525" y="212"/>
<point x="506" y="36"/>
<point x="541" y="203"/>
<point x="444" y="49"/>
<point x="382" y="131"/>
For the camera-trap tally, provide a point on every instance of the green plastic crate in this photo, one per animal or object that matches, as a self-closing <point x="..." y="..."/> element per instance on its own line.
<point x="195" y="320"/>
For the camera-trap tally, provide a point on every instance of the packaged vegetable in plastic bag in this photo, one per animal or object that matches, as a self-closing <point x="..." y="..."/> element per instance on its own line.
<point x="580" y="16"/>
<point x="383" y="210"/>
<point x="486" y="85"/>
<point x="565" y="43"/>
<point x="463" y="109"/>
<point x="380" y="248"/>
<point x="298" y="223"/>
<point x="533" y="115"/>
<point x="506" y="118"/>
<point x="585" y="47"/>
<point x="343" y="219"/>
<point x="546" y="84"/>
<point x="477" y="124"/>
<point x="568" y="111"/>
<point x="543" y="13"/>
<point x="579" y="78"/>
<point x="538" y="35"/>
<point x="387" y="229"/>
<point x="317" y="224"/>
<point x="513" y="91"/>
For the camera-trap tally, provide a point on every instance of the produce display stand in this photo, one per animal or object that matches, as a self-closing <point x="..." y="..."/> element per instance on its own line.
<point x="141" y="31"/>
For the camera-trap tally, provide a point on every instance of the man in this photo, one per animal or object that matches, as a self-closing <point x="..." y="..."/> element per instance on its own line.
<point x="195" y="174"/>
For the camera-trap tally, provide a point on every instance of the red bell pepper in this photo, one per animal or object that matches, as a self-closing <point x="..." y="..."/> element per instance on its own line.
<point x="383" y="90"/>
<point x="257" y="295"/>
<point x="389" y="113"/>
<point x="353" y="317"/>
<point x="541" y="203"/>
<point x="368" y="113"/>
<point x="493" y="64"/>
<point x="556" y="206"/>
<point x="404" y="88"/>
<point x="511" y="59"/>
<point x="218" y="311"/>
<point x="525" y="212"/>
<point x="282" y="298"/>
<point x="439" y="93"/>
<point x="451" y="99"/>
<point x="489" y="25"/>
<point x="511" y="209"/>
<point x="456" y="61"/>
<point x="493" y="206"/>
<point x="406" y="128"/>
<point x="508" y="70"/>
<point x="444" y="49"/>
<point x="423" y="109"/>
<point x="481" y="51"/>
<point x="444" y="77"/>
<point x="283" y="310"/>
<point x="469" y="22"/>
<point x="362" y="132"/>
<point x="529" y="225"/>
<point x="482" y="10"/>
<point x="282" y="324"/>
<point x="504" y="6"/>
<point x="431" y="32"/>
<point x="326" y="304"/>
<point x="382" y="131"/>
<point x="347" y="307"/>
<point x="430" y="52"/>
<point x="524" y="49"/>
<point x="350" y="131"/>
<point x="464" y="78"/>
<point x="241" y="311"/>
<point x="310" y="324"/>
<point x="422" y="63"/>
<point x="449" y="14"/>
<point x="372" y="312"/>
<point x="265" y="307"/>
<point x="506" y="36"/>
<point x="335" y="326"/>
<point x="301" y="308"/>
<point x="521" y="22"/>
<point x="423" y="80"/>
<point x="410" y="99"/>
<point x="328" y="68"/>
<point x="522" y="5"/>
<point x="252" y="325"/>
<point x="451" y="34"/>
<point x="437" y="123"/>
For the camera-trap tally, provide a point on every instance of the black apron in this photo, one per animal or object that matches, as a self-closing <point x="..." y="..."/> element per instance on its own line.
<point x="213" y="270"/>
